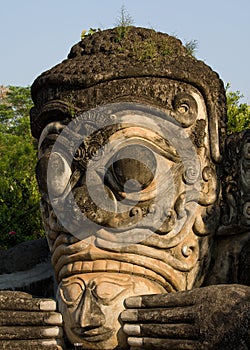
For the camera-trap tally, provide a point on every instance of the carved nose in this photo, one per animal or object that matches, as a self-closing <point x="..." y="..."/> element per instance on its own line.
<point x="134" y="167"/>
<point x="91" y="315"/>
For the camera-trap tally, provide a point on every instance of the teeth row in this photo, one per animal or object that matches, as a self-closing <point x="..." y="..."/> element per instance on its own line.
<point x="80" y="267"/>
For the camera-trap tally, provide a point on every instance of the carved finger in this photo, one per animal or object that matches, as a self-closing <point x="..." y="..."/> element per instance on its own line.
<point x="162" y="344"/>
<point x="21" y="332"/>
<point x="161" y="300"/>
<point x="180" y="331"/>
<point x="27" y="318"/>
<point x="173" y="315"/>
<point x="13" y="301"/>
<point x="30" y="345"/>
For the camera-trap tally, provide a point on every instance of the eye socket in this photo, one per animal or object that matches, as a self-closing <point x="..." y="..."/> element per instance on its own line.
<point x="186" y="109"/>
<point x="71" y="290"/>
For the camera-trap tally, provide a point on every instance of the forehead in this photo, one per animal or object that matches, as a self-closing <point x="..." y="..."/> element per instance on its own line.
<point x="55" y="105"/>
<point x="169" y="95"/>
<point x="133" y="120"/>
<point x="157" y="91"/>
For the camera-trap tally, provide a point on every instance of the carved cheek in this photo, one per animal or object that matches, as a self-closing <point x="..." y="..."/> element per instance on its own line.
<point x="58" y="174"/>
<point x="53" y="173"/>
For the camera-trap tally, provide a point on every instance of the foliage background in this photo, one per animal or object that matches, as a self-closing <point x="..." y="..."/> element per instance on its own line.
<point x="238" y="113"/>
<point x="20" y="217"/>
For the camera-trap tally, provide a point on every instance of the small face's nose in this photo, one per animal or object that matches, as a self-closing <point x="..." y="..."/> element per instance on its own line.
<point x="91" y="315"/>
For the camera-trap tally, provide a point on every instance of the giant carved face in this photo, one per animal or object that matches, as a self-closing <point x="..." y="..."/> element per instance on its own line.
<point x="128" y="203"/>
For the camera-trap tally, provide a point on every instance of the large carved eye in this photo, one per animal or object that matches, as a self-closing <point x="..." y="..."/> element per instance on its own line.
<point x="134" y="167"/>
<point x="186" y="109"/>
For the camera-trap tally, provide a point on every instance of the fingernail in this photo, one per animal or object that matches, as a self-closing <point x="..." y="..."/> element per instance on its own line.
<point x="135" y="341"/>
<point x="132" y="329"/>
<point x="133" y="302"/>
<point x="49" y="342"/>
<point x="129" y="315"/>
<point x="55" y="319"/>
<point x="51" y="332"/>
<point x="47" y="305"/>
<point x="52" y="342"/>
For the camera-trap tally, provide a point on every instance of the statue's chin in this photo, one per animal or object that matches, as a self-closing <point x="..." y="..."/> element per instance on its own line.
<point x="106" y="339"/>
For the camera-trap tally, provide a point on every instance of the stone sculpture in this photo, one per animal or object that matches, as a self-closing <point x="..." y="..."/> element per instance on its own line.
<point x="131" y="133"/>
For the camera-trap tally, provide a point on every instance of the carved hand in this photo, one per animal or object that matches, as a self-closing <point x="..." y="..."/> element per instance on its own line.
<point x="29" y="323"/>
<point x="214" y="317"/>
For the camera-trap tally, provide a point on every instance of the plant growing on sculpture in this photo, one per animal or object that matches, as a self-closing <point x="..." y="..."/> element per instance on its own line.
<point x="91" y="31"/>
<point x="19" y="196"/>
<point x="191" y="46"/>
<point x="124" y="19"/>
<point x="123" y="22"/>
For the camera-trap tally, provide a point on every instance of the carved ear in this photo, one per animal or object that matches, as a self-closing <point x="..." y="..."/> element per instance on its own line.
<point x="214" y="135"/>
<point x="209" y="187"/>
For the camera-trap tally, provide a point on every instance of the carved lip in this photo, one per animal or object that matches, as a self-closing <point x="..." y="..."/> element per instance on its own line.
<point x="94" y="335"/>
<point x="105" y="256"/>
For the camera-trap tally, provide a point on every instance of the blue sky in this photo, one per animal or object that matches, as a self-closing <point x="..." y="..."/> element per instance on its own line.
<point x="36" y="35"/>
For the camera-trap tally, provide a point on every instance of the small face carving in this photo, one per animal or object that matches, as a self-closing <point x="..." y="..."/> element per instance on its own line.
<point x="91" y="305"/>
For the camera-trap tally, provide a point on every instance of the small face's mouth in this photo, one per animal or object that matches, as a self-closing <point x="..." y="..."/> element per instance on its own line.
<point x="94" y="335"/>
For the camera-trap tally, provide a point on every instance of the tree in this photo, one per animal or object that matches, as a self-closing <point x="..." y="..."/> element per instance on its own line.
<point x="238" y="113"/>
<point x="20" y="217"/>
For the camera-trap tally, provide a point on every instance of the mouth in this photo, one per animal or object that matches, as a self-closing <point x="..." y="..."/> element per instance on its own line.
<point x="106" y="252"/>
<point x="140" y="260"/>
<point x="94" y="335"/>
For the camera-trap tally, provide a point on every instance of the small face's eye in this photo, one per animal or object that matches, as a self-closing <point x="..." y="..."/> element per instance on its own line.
<point x="107" y="291"/>
<point x="71" y="291"/>
<point x="134" y="167"/>
<point x="186" y="109"/>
